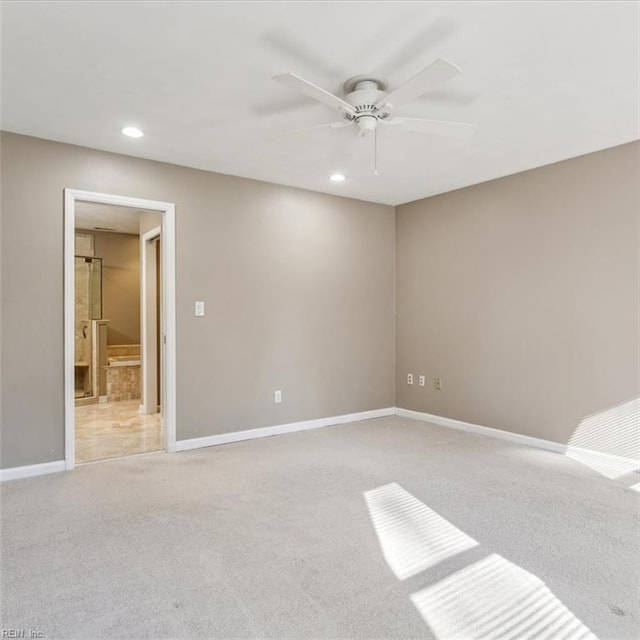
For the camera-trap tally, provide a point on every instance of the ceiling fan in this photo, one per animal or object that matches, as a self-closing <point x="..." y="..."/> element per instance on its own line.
<point x="367" y="104"/>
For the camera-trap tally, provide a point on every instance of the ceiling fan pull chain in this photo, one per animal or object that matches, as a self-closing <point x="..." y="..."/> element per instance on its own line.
<point x="375" y="151"/>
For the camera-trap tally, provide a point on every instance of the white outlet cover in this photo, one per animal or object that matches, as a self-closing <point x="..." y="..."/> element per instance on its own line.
<point x="421" y="381"/>
<point x="199" y="308"/>
<point x="277" y="397"/>
<point x="409" y="378"/>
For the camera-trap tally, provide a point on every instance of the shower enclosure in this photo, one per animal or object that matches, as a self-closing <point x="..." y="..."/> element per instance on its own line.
<point x="88" y="307"/>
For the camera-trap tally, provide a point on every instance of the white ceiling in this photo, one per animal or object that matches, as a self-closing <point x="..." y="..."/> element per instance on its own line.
<point x="107" y="217"/>
<point x="544" y="81"/>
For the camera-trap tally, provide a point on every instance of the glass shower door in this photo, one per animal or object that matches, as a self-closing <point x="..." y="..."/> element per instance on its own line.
<point x="88" y="307"/>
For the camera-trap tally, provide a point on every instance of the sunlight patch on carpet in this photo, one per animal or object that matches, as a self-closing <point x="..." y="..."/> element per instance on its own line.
<point x="494" y="599"/>
<point x="609" y="441"/>
<point x="412" y="536"/>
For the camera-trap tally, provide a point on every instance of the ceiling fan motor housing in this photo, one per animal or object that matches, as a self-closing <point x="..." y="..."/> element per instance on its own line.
<point x="364" y="94"/>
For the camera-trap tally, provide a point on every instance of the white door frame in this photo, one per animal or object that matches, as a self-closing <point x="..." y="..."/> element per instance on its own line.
<point x="148" y="333"/>
<point x="167" y="209"/>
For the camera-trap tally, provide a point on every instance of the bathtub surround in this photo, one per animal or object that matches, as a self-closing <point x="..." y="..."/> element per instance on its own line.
<point x="128" y="351"/>
<point x="123" y="381"/>
<point x="123" y="372"/>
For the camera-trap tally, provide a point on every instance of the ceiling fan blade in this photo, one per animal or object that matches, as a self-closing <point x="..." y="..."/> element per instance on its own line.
<point x="311" y="90"/>
<point x="436" y="73"/>
<point x="416" y="45"/>
<point x="433" y="127"/>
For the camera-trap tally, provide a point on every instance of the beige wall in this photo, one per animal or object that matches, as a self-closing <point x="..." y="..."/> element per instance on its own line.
<point x="120" y="253"/>
<point x="522" y="293"/>
<point x="298" y="288"/>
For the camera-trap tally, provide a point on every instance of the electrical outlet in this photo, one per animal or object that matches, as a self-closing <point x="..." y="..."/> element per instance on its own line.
<point x="277" y="396"/>
<point x="421" y="381"/>
<point x="437" y="383"/>
<point x="409" y="378"/>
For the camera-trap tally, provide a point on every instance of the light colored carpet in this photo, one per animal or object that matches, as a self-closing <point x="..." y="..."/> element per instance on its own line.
<point x="324" y="534"/>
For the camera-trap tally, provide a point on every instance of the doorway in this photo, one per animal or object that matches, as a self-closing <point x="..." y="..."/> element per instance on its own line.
<point x="119" y="326"/>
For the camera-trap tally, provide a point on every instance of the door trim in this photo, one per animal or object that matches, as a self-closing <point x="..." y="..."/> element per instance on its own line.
<point x="167" y="209"/>
<point x="150" y="362"/>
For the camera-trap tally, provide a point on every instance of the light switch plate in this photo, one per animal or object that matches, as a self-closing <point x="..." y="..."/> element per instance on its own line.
<point x="199" y="308"/>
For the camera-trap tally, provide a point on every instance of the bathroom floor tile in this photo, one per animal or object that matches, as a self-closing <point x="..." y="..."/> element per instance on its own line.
<point x="115" y="429"/>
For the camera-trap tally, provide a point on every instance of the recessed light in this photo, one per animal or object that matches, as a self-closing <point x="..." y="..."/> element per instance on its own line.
<point x="132" y="132"/>
<point x="337" y="177"/>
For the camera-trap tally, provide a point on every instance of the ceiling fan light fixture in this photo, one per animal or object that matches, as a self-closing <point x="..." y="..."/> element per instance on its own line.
<point x="132" y="132"/>
<point x="366" y="125"/>
<point x="337" y="177"/>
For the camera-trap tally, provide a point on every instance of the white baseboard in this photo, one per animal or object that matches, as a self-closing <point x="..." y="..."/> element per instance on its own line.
<point x="484" y="431"/>
<point x="28" y="471"/>
<point x="14" y="473"/>
<point x="606" y="459"/>
<point x="249" y="434"/>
